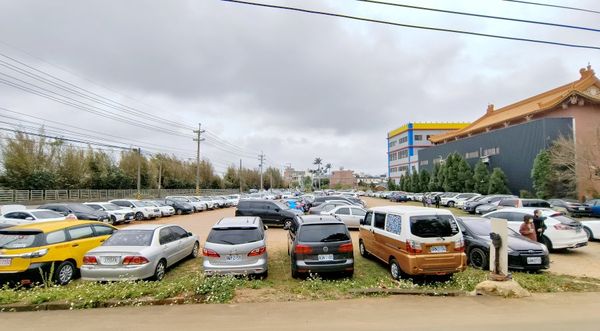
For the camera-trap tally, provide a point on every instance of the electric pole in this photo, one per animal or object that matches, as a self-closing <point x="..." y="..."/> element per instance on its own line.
<point x="240" y="176"/>
<point x="261" y="158"/>
<point x="198" y="139"/>
<point x="159" y="177"/>
<point x="139" y="172"/>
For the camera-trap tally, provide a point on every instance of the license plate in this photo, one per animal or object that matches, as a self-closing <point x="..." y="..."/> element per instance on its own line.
<point x="325" y="257"/>
<point x="581" y="208"/>
<point x="534" y="260"/>
<point x="110" y="260"/>
<point x="438" y="249"/>
<point x="5" y="262"/>
<point x="233" y="257"/>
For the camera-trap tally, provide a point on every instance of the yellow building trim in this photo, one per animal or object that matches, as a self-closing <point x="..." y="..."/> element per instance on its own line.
<point x="429" y="126"/>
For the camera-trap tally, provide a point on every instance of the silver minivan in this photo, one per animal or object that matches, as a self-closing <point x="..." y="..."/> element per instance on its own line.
<point x="236" y="245"/>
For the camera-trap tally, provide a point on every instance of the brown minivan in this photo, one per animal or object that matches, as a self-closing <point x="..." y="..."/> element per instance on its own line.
<point x="413" y="240"/>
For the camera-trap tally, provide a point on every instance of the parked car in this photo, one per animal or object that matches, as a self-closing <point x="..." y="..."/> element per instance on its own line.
<point x="209" y="202"/>
<point x="453" y="199"/>
<point x="139" y="252"/>
<point x="595" y="205"/>
<point x="399" y="197"/>
<point x="237" y="245"/>
<point x="520" y="203"/>
<point x="181" y="207"/>
<point x="471" y="206"/>
<point x="320" y="244"/>
<point x="165" y="210"/>
<point x="80" y="210"/>
<point x="198" y="204"/>
<point x="140" y="209"/>
<point x="571" y="207"/>
<point x="592" y="229"/>
<point x="460" y="201"/>
<point x="55" y="249"/>
<point x="350" y="215"/>
<point x="117" y="214"/>
<point x="270" y="212"/>
<point x="523" y="253"/>
<point x="26" y="216"/>
<point x="324" y="208"/>
<point x="409" y="238"/>
<point x="320" y="200"/>
<point x="233" y="199"/>
<point x="561" y="232"/>
<point x="487" y="208"/>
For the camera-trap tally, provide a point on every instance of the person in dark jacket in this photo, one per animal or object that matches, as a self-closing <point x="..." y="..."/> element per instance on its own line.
<point x="424" y="200"/>
<point x="540" y="226"/>
<point x="437" y="201"/>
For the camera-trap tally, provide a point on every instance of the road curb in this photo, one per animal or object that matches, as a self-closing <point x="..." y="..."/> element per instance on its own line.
<point x="398" y="291"/>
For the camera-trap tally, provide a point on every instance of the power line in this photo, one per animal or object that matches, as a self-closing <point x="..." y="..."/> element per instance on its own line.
<point x="316" y="12"/>
<point x="554" y="6"/>
<point x="481" y="15"/>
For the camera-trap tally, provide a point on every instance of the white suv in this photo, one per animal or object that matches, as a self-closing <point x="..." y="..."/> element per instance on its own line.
<point x="142" y="210"/>
<point x="117" y="214"/>
<point x="561" y="232"/>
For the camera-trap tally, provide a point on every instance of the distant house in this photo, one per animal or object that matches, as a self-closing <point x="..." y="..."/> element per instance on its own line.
<point x="344" y="178"/>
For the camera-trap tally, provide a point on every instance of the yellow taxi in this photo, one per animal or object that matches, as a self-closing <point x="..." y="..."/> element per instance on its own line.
<point x="28" y="251"/>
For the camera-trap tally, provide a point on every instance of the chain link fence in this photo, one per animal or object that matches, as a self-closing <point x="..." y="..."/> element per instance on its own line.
<point x="36" y="196"/>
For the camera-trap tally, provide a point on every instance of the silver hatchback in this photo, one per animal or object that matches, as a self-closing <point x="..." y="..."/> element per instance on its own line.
<point x="236" y="245"/>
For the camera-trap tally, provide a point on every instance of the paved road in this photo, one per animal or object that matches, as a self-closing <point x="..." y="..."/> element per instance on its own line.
<point x="543" y="312"/>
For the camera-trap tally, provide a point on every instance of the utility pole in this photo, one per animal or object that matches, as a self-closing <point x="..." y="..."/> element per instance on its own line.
<point x="270" y="181"/>
<point x="139" y="172"/>
<point x="198" y="139"/>
<point x="159" y="177"/>
<point x="240" y="176"/>
<point x="261" y="158"/>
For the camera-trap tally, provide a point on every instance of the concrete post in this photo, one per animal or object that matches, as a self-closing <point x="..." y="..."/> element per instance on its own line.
<point x="500" y="227"/>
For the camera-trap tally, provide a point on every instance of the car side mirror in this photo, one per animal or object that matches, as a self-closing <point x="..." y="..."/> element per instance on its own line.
<point x="362" y="221"/>
<point x="190" y="234"/>
<point x="277" y="209"/>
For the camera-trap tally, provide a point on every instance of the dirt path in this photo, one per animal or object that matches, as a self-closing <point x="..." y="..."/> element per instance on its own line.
<point x="543" y="312"/>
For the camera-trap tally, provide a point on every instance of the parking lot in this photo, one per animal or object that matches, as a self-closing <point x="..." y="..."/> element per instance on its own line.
<point x="582" y="262"/>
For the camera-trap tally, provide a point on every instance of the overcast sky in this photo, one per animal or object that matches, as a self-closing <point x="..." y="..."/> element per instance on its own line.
<point x="294" y="85"/>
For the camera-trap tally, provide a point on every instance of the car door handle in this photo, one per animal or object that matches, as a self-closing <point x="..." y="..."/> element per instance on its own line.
<point x="75" y="245"/>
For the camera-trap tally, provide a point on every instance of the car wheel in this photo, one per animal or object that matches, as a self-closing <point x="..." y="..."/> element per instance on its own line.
<point x="478" y="259"/>
<point x="113" y="219"/>
<point x="395" y="270"/>
<point x="589" y="233"/>
<point x="179" y="211"/>
<point x="64" y="273"/>
<point x="451" y="204"/>
<point x="139" y="216"/>
<point x="159" y="272"/>
<point x="195" y="250"/>
<point x="547" y="242"/>
<point x="362" y="249"/>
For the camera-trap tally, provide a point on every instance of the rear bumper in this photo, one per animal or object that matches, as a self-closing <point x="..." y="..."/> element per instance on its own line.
<point x="261" y="266"/>
<point x="103" y="273"/>
<point x="346" y="265"/>
<point x="439" y="264"/>
<point x="519" y="262"/>
<point x="33" y="273"/>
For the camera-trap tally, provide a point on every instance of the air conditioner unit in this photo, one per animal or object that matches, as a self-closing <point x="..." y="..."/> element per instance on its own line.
<point x="485" y="159"/>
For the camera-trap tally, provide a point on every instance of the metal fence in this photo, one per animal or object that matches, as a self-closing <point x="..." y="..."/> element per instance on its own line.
<point x="33" y="196"/>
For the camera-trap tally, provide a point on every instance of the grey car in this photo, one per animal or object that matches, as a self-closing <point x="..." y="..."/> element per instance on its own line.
<point x="320" y="244"/>
<point x="139" y="252"/>
<point x="236" y="245"/>
<point x="350" y="215"/>
<point x="326" y="207"/>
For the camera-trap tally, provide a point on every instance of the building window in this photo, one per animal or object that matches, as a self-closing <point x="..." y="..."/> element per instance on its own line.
<point x="403" y="140"/>
<point x="392" y="143"/>
<point x="418" y="137"/>
<point x="403" y="154"/>
<point x="472" y="155"/>
<point x="424" y="162"/>
<point x="491" y="151"/>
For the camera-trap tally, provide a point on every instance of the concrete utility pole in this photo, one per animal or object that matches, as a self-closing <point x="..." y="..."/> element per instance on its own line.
<point x="261" y="158"/>
<point x="159" y="177"/>
<point x="139" y="172"/>
<point x="198" y="139"/>
<point x="240" y="176"/>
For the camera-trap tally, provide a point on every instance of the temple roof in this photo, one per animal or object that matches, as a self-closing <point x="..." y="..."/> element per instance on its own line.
<point x="587" y="86"/>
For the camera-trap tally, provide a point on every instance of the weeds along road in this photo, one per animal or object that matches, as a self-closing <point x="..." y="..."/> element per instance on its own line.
<point x="541" y="312"/>
<point x="583" y="262"/>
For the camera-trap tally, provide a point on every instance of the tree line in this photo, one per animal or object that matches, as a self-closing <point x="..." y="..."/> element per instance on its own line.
<point x="39" y="163"/>
<point x="455" y="175"/>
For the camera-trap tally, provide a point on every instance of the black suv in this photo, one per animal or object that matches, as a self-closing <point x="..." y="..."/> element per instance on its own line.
<point x="80" y="210"/>
<point x="320" y="244"/>
<point x="271" y="212"/>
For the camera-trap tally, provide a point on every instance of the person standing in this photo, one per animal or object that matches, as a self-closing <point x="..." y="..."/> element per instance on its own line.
<point x="424" y="200"/>
<point x="527" y="228"/>
<point x="437" y="201"/>
<point x="539" y="225"/>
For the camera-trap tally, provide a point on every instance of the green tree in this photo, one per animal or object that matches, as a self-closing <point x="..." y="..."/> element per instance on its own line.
<point x="498" y="182"/>
<point x="424" y="179"/>
<point x="465" y="176"/>
<point x="407" y="183"/>
<point x="541" y="174"/>
<point x="481" y="178"/>
<point x="392" y="185"/>
<point x="451" y="181"/>
<point x="434" y="181"/>
<point x="415" y="183"/>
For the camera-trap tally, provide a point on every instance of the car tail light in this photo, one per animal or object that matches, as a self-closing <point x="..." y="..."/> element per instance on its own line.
<point x="345" y="248"/>
<point x="303" y="249"/>
<point x="413" y="247"/>
<point x="257" y="251"/>
<point x="135" y="260"/>
<point x="210" y="253"/>
<point x="459" y="245"/>
<point x="90" y="260"/>
<point x="562" y="227"/>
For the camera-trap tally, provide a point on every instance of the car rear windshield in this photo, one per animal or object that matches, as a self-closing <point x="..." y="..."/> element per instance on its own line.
<point x="81" y="208"/>
<point x="234" y="236"/>
<point x="46" y="214"/>
<point x="323" y="233"/>
<point x="20" y="240"/>
<point x="130" y="238"/>
<point x="433" y="226"/>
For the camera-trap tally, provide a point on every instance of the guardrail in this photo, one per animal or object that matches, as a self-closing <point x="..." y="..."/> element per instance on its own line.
<point x="33" y="196"/>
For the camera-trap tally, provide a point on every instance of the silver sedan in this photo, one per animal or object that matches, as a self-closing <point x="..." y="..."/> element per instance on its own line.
<point x="139" y="252"/>
<point x="350" y="215"/>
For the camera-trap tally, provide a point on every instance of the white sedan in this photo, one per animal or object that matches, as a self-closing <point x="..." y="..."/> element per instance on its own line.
<point x="26" y="216"/>
<point x="350" y="215"/>
<point x="561" y="232"/>
<point x="591" y="228"/>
